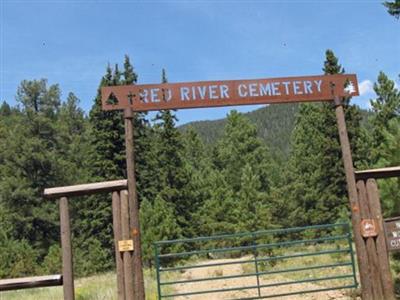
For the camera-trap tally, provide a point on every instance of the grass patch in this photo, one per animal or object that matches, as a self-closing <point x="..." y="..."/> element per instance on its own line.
<point x="312" y="261"/>
<point x="103" y="286"/>
<point x="97" y="287"/>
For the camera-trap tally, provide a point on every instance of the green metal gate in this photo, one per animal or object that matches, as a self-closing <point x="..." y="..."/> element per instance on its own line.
<point x="257" y="265"/>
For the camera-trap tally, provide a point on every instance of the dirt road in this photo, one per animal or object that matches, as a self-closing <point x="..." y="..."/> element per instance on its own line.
<point x="237" y="269"/>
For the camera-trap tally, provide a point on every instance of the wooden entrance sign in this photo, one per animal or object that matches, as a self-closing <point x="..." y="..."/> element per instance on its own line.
<point x="147" y="97"/>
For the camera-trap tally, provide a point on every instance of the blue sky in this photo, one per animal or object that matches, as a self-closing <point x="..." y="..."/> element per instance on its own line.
<point x="71" y="42"/>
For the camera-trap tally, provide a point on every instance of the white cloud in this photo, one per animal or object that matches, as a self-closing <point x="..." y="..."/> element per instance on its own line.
<point x="366" y="87"/>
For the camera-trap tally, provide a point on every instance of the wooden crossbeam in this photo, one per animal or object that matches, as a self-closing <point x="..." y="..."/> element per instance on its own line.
<point x="85" y="189"/>
<point x="378" y="173"/>
<point x="30" y="282"/>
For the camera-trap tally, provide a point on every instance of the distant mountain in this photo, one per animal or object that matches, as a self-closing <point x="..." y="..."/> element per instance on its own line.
<point x="274" y="124"/>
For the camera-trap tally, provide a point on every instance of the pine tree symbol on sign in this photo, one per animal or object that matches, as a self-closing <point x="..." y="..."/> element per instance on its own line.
<point x="350" y="88"/>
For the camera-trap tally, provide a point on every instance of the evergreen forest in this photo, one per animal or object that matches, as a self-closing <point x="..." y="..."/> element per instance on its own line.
<point x="276" y="167"/>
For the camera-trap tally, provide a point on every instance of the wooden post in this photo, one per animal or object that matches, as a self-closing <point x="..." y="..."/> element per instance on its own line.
<point x="127" y="255"/>
<point x="116" y="212"/>
<point x="67" y="266"/>
<point x="352" y="191"/>
<point x="133" y="205"/>
<point x="383" y="257"/>
<point x="374" y="274"/>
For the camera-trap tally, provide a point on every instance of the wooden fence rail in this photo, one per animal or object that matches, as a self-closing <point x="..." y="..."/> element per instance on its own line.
<point x="30" y="282"/>
<point x="86" y="189"/>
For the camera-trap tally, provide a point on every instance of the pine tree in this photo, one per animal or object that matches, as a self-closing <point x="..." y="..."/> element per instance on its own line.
<point x="72" y="135"/>
<point x="36" y="97"/>
<point x="5" y="109"/>
<point x="300" y="186"/>
<point x="172" y="177"/>
<point x="107" y="132"/>
<point x="218" y="214"/>
<point x="197" y="166"/>
<point x="333" y="188"/>
<point x="239" y="183"/>
<point x="386" y="107"/>
<point x="252" y="204"/>
<point x="31" y="161"/>
<point x="393" y="8"/>
<point x="385" y="139"/>
<point x="130" y="77"/>
<point x="170" y="164"/>
<point x="106" y="162"/>
<point x="43" y="147"/>
<point x="238" y="146"/>
<point x="390" y="156"/>
<point x="145" y="161"/>
<point x="158" y="223"/>
<point x="318" y="185"/>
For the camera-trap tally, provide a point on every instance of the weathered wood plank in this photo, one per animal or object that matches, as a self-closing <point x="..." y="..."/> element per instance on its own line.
<point x="67" y="264"/>
<point x="116" y="209"/>
<point x="367" y="288"/>
<point x="374" y="274"/>
<point x="383" y="257"/>
<point x="133" y="206"/>
<point x="353" y="197"/>
<point x="127" y="255"/>
<point x="85" y="189"/>
<point x="30" y="282"/>
<point x="378" y="173"/>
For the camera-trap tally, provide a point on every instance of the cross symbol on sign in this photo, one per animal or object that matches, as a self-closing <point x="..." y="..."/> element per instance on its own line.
<point x="350" y="88"/>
